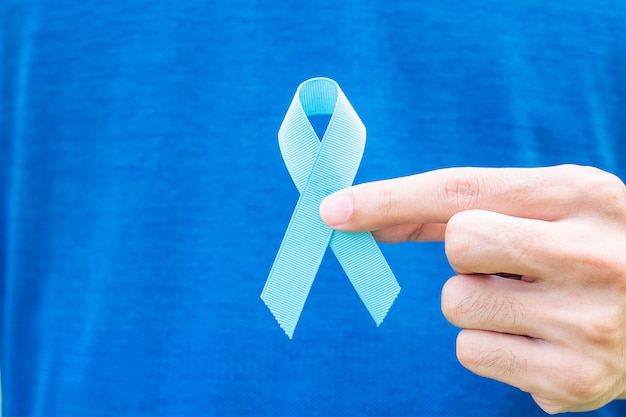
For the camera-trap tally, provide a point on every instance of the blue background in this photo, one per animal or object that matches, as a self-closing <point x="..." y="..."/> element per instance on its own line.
<point x="144" y="196"/>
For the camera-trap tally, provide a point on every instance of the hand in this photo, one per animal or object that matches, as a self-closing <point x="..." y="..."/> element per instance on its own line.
<point x="540" y="257"/>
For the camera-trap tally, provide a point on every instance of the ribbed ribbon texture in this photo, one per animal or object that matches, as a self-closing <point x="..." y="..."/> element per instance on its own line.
<point x="319" y="168"/>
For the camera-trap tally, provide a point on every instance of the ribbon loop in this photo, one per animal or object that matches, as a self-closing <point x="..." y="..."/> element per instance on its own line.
<point x="319" y="168"/>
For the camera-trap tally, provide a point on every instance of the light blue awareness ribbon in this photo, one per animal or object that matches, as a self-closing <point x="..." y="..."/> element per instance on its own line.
<point x="319" y="168"/>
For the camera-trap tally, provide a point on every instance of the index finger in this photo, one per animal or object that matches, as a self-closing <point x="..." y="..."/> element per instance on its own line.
<point x="548" y="193"/>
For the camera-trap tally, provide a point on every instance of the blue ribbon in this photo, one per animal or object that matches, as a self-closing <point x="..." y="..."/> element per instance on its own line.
<point x="319" y="168"/>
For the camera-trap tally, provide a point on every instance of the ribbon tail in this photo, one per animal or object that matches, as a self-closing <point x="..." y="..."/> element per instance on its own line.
<point x="368" y="271"/>
<point x="296" y="264"/>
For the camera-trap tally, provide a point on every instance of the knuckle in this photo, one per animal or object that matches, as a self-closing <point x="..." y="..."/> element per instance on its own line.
<point x="603" y="190"/>
<point x="604" y="263"/>
<point x="450" y="305"/>
<point x="606" y="328"/>
<point x="603" y="266"/>
<point x="460" y="305"/>
<point x="465" y="354"/>
<point x="462" y="192"/>
<point x="458" y="241"/>
<point x="386" y="201"/>
<point x="588" y="385"/>
<point x="501" y="363"/>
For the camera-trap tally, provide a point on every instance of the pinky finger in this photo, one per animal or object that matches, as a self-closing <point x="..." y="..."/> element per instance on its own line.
<point x="557" y="381"/>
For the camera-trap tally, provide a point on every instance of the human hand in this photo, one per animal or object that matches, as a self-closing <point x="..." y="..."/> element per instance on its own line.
<point x="540" y="257"/>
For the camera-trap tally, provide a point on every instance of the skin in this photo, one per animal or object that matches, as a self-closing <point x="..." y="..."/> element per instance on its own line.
<point x="540" y="258"/>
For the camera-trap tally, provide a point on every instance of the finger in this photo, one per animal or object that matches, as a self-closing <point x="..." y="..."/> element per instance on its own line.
<point x="485" y="302"/>
<point x="478" y="241"/>
<point x="556" y="378"/>
<point x="411" y="232"/>
<point x="514" y="360"/>
<point x="433" y="197"/>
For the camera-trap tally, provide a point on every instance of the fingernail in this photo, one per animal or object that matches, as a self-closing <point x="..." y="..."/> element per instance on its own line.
<point x="336" y="210"/>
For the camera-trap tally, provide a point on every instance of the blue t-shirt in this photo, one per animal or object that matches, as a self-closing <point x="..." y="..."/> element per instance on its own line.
<point x="143" y="196"/>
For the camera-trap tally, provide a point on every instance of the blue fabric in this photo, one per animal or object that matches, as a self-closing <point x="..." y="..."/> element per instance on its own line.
<point x="143" y="195"/>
